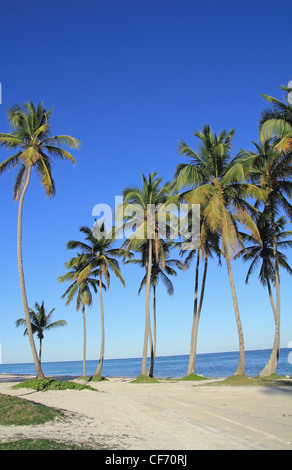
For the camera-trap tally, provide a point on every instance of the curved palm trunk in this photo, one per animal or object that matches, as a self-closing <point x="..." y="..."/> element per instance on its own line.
<point x="37" y="364"/>
<point x="84" y="341"/>
<point x="271" y="366"/>
<point x="196" y="316"/>
<point x="147" y="313"/>
<point x="97" y="373"/>
<point x="241" y="362"/>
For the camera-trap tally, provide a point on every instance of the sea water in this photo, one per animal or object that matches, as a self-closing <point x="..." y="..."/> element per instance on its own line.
<point x="215" y="365"/>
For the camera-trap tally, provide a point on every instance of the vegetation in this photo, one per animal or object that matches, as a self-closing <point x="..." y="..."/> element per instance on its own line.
<point x="245" y="210"/>
<point x="145" y="379"/>
<point x="40" y="322"/>
<point x="82" y="291"/>
<point x="17" y="411"/>
<point x="35" y="146"/>
<point x="47" y="444"/>
<point x="45" y="384"/>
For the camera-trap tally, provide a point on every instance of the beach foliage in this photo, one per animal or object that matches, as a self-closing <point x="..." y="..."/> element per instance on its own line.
<point x="42" y="385"/>
<point x="17" y="411"/>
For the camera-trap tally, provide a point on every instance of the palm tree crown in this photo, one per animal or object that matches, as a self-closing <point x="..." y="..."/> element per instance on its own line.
<point x="32" y="136"/>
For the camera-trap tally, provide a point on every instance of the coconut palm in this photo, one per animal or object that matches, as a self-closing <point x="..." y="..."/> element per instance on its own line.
<point x="40" y="322"/>
<point x="162" y="269"/>
<point x="98" y="258"/>
<point x="276" y="122"/>
<point x="82" y="291"/>
<point x="217" y="182"/>
<point x="32" y="139"/>
<point x="152" y="194"/>
<point x="261" y="255"/>
<point x="272" y="171"/>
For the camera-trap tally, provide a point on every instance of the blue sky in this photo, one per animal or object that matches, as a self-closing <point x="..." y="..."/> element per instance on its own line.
<point x="130" y="79"/>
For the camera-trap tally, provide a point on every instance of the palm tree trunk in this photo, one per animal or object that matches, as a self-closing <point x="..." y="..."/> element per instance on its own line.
<point x="97" y="373"/>
<point x="191" y="366"/>
<point x="150" y="372"/>
<point x="271" y="366"/>
<point x="196" y="316"/>
<point x="39" y="371"/>
<point x="84" y="341"/>
<point x="40" y="351"/>
<point x="241" y="362"/>
<point x="147" y="312"/>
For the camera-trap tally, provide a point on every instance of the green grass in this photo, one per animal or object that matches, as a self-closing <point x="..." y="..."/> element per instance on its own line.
<point x="97" y="378"/>
<point x="18" y="412"/>
<point x="144" y="379"/>
<point x="244" y="380"/>
<point x="51" y="384"/>
<point x="45" y="444"/>
<point x="194" y="378"/>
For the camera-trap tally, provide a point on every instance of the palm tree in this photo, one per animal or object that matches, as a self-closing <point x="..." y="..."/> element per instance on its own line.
<point x="150" y="195"/>
<point x="262" y="253"/>
<point x="40" y="322"/>
<point x="162" y="269"/>
<point x="82" y="291"/>
<point x="209" y="244"/>
<point x="98" y="259"/>
<point x="276" y="123"/>
<point x="31" y="138"/>
<point x="272" y="172"/>
<point x="217" y="182"/>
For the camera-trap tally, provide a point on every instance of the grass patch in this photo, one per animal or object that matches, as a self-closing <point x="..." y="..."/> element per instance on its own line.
<point x="97" y="378"/>
<point x="244" y="380"/>
<point x="193" y="377"/>
<point x="42" y="385"/>
<point x="145" y="379"/>
<point x="45" y="444"/>
<point x="17" y="411"/>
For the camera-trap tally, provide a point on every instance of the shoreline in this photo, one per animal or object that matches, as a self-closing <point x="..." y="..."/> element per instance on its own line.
<point x="171" y="415"/>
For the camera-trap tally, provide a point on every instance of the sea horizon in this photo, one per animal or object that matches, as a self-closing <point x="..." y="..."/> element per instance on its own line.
<point x="215" y="365"/>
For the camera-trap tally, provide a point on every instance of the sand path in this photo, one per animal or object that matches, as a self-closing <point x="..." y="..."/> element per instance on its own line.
<point x="165" y="416"/>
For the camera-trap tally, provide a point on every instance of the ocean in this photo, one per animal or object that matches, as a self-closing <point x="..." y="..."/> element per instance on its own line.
<point x="215" y="365"/>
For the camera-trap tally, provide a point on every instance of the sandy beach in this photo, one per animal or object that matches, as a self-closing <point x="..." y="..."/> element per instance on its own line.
<point x="163" y="416"/>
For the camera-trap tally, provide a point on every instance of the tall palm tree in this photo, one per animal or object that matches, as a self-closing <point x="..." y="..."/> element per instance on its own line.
<point x="151" y="194"/>
<point x="82" y="291"/>
<point x="99" y="258"/>
<point x="217" y="182"/>
<point x="162" y="269"/>
<point x="276" y="123"/>
<point x="272" y="172"/>
<point x="34" y="145"/>
<point x="40" y="322"/>
<point x="261" y="254"/>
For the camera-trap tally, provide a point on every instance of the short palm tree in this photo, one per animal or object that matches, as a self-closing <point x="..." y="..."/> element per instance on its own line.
<point x="151" y="194"/>
<point x="40" y="322"/>
<point x="82" y="291"/>
<point x="217" y="183"/>
<point x="261" y="254"/>
<point x="32" y="139"/>
<point x="276" y="123"/>
<point x="98" y="258"/>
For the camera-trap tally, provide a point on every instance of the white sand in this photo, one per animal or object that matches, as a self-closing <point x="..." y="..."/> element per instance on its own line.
<point x="164" y="416"/>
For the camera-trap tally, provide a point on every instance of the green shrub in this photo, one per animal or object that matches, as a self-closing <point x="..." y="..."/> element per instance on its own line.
<point x="42" y="385"/>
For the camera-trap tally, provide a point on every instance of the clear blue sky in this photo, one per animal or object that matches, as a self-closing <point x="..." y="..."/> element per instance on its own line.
<point x="130" y="79"/>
